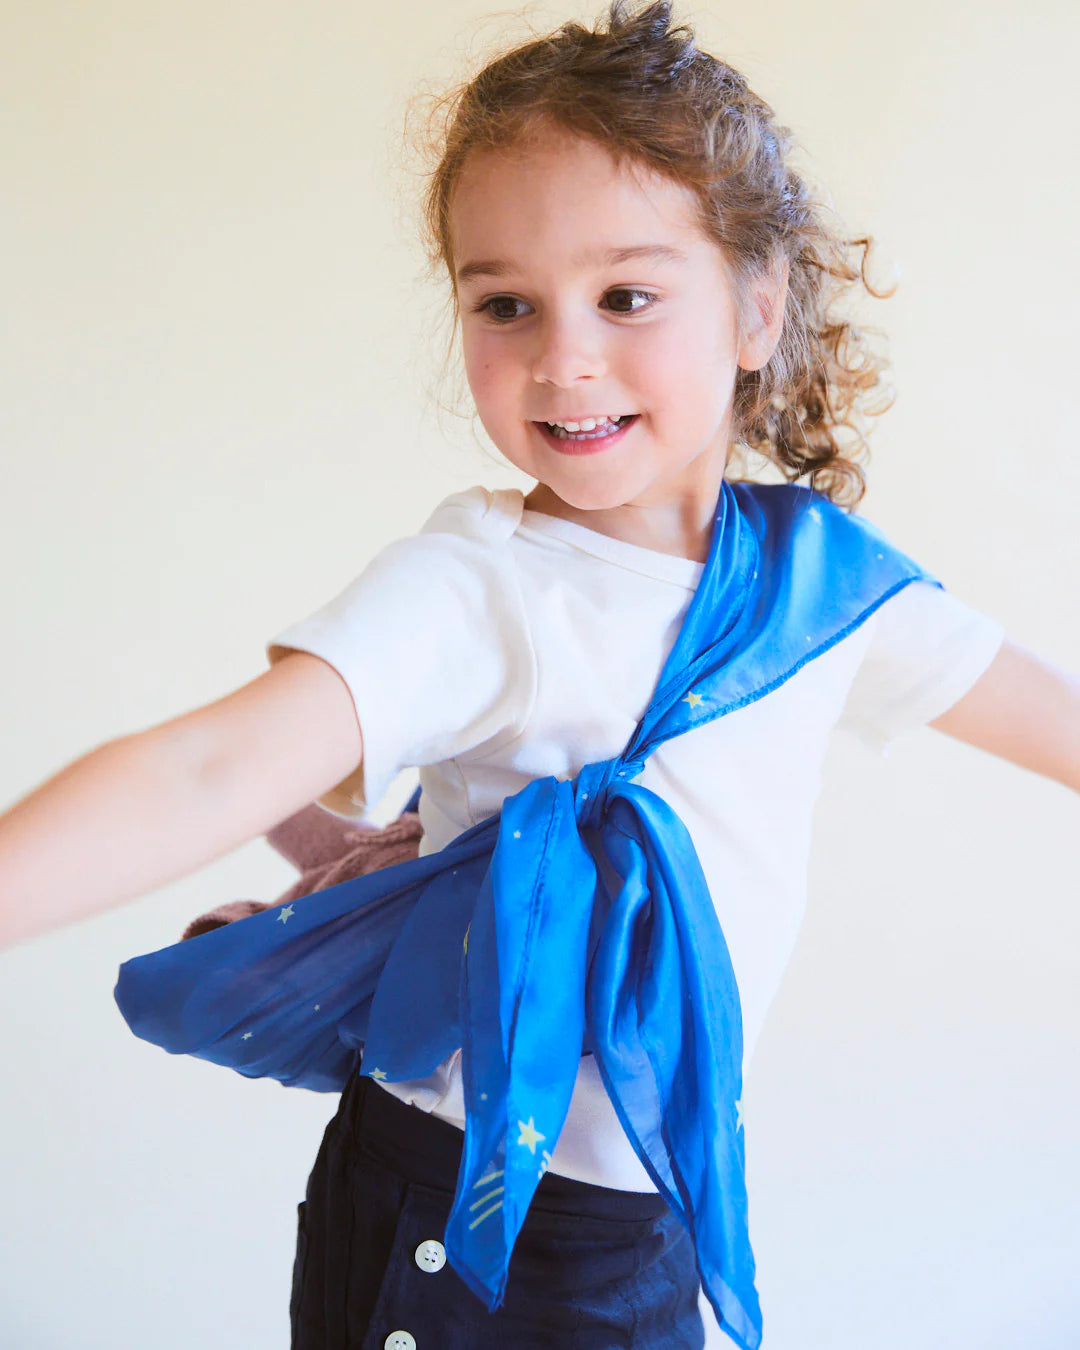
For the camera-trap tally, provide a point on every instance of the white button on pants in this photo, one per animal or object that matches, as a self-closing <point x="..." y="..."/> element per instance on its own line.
<point x="399" y="1340"/>
<point x="430" y="1256"/>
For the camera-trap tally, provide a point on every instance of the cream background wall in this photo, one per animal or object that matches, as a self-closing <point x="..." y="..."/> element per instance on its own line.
<point x="214" y="408"/>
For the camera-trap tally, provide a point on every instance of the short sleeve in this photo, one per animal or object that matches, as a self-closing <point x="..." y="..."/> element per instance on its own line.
<point x="432" y="642"/>
<point x="925" y="649"/>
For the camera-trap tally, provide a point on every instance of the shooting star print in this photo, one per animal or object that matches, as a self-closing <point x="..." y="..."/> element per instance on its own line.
<point x="484" y="1203"/>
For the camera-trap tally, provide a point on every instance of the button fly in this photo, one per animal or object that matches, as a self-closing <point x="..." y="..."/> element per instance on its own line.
<point x="430" y="1256"/>
<point x="399" y="1340"/>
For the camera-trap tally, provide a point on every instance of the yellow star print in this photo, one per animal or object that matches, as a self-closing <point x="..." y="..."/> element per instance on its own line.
<point x="530" y="1136"/>
<point x="378" y="1074"/>
<point x="694" y="700"/>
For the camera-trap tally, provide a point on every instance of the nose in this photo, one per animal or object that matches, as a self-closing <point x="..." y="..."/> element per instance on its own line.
<point x="567" y="350"/>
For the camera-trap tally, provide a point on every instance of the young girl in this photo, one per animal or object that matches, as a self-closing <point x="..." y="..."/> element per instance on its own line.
<point x="614" y="687"/>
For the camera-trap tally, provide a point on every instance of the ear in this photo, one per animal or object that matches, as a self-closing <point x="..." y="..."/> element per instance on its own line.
<point x="764" y="316"/>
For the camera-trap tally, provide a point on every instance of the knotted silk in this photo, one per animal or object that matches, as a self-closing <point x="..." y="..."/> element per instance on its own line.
<point x="576" y="920"/>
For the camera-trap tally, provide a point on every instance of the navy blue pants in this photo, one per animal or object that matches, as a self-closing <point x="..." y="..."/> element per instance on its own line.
<point x="592" y="1269"/>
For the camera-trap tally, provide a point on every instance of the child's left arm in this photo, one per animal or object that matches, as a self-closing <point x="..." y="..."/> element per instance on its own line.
<point x="1024" y="709"/>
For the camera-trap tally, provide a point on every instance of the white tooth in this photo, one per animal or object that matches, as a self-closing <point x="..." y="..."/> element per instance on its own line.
<point x="589" y="424"/>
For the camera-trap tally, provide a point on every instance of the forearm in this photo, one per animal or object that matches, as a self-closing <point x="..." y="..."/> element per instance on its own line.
<point x="120" y="821"/>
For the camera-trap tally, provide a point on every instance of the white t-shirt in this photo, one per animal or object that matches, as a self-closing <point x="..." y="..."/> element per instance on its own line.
<point x="500" y="645"/>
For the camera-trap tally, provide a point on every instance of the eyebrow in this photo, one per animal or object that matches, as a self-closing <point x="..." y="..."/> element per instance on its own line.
<point x="605" y="257"/>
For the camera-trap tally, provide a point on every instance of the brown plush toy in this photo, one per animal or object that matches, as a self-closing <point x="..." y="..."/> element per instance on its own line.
<point x="326" y="850"/>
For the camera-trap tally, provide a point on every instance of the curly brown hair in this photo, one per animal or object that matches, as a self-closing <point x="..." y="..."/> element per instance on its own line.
<point x="640" y="87"/>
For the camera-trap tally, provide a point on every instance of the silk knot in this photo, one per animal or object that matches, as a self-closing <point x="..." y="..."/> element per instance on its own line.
<point x="592" y="786"/>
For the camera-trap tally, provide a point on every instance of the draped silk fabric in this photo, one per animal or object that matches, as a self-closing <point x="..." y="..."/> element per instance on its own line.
<point x="576" y="920"/>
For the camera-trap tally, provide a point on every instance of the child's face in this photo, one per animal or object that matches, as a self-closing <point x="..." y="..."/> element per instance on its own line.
<point x="564" y="334"/>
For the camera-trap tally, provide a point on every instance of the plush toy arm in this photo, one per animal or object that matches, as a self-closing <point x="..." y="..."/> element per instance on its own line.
<point x="217" y="918"/>
<point x="326" y="856"/>
<point x="313" y="837"/>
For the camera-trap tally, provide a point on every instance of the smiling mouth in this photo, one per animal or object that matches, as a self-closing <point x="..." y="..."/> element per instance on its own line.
<point x="585" y="442"/>
<point x="601" y="427"/>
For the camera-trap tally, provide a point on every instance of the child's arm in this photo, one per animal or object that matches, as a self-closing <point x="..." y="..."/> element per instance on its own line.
<point x="144" y="809"/>
<point x="1025" y="710"/>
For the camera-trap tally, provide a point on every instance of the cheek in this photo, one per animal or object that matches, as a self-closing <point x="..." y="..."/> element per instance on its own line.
<point x="681" y="376"/>
<point x="697" y="367"/>
<point x="485" y="367"/>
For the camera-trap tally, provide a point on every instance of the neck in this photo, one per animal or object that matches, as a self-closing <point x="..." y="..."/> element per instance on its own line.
<point x="679" y="524"/>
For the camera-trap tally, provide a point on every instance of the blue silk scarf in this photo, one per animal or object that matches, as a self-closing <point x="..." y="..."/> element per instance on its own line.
<point x="577" y="919"/>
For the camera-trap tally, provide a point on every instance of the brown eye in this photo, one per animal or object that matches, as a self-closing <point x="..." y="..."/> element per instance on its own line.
<point x="487" y="306"/>
<point x="635" y="309"/>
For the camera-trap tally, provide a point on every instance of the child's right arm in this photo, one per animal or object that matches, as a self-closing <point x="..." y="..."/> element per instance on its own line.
<point x="146" y="808"/>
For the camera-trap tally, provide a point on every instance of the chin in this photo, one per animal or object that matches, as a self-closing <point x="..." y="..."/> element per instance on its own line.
<point x="589" y="496"/>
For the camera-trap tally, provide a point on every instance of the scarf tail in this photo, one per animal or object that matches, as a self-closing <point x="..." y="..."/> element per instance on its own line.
<point x="665" y="1021"/>
<point x="522" y="1032"/>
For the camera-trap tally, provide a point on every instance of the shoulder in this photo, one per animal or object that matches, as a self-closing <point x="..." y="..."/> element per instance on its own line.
<point x="484" y="516"/>
<point x="913" y="618"/>
<point x="459" y="551"/>
<point x="781" y="509"/>
<point x="450" y="580"/>
<point x="834" y="560"/>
